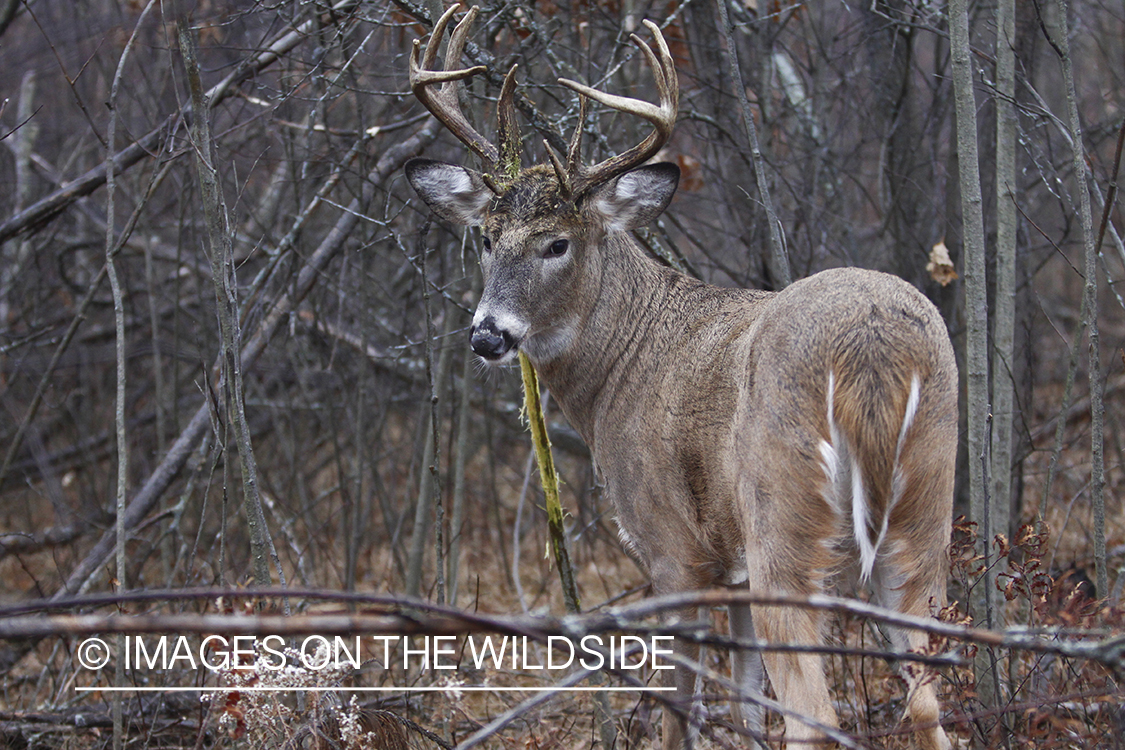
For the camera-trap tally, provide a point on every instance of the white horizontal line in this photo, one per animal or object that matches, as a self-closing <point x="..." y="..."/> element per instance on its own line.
<point x="434" y="689"/>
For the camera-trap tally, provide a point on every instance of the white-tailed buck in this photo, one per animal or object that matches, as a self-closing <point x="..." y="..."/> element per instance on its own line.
<point x="783" y="441"/>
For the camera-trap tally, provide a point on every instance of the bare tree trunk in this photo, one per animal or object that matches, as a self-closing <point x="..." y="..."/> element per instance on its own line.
<point x="8" y="9"/>
<point x="112" y="246"/>
<point x="1090" y="303"/>
<point x="460" y="458"/>
<point x="428" y="480"/>
<point x="437" y="385"/>
<point x="779" y="258"/>
<point x="1004" y="319"/>
<point x="226" y="304"/>
<point x="23" y="146"/>
<point x="976" y="314"/>
<point x="111" y="249"/>
<point x="907" y="172"/>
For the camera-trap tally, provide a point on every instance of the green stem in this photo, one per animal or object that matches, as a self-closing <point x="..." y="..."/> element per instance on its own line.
<point x="550" y="481"/>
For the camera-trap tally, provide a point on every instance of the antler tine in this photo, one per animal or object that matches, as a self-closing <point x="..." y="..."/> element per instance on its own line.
<point x="667" y="64"/>
<point x="561" y="171"/>
<point x="460" y="34"/>
<point x="662" y="117"/>
<point x="509" y="129"/>
<point x="573" y="153"/>
<point x="443" y="103"/>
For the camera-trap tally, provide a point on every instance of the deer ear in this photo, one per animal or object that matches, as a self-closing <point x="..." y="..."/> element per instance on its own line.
<point x="637" y="197"/>
<point x="455" y="193"/>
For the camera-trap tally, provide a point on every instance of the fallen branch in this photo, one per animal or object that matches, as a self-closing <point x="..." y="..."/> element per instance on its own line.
<point x="404" y="616"/>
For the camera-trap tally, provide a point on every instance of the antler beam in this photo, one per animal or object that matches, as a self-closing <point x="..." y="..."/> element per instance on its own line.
<point x="443" y="103"/>
<point x="576" y="178"/>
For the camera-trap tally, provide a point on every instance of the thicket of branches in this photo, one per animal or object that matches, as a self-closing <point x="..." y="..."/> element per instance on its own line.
<point x="347" y="303"/>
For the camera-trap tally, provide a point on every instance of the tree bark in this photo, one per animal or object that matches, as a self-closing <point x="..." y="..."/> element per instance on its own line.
<point x="1003" y="336"/>
<point x="984" y="596"/>
<point x="1090" y="303"/>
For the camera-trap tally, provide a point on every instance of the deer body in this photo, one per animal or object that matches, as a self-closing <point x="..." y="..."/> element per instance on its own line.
<point x="692" y="398"/>
<point x="781" y="441"/>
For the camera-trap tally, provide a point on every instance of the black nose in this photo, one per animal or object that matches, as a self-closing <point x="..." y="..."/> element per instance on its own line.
<point x="490" y="342"/>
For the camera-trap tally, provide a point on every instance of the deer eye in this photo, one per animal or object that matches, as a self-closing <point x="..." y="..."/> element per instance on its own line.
<point x="487" y="244"/>
<point x="557" y="248"/>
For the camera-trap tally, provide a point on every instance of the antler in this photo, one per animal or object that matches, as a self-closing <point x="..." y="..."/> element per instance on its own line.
<point x="444" y="105"/>
<point x="575" y="178"/>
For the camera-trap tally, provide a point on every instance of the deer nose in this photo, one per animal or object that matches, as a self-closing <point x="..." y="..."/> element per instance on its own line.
<point x="490" y="342"/>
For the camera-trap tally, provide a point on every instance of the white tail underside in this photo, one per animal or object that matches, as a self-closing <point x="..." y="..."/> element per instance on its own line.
<point x="842" y="470"/>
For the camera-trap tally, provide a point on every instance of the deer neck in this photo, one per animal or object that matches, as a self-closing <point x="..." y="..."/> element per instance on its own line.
<point x="613" y="343"/>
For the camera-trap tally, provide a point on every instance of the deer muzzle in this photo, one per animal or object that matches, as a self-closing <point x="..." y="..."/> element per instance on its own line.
<point x="490" y="341"/>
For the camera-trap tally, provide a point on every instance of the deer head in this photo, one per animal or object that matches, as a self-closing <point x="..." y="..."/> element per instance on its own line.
<point x="544" y="227"/>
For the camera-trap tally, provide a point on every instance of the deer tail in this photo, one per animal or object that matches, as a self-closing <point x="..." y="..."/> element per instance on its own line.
<point x="869" y="419"/>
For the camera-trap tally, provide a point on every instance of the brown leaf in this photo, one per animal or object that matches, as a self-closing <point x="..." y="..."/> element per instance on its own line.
<point x="940" y="266"/>
<point x="691" y="175"/>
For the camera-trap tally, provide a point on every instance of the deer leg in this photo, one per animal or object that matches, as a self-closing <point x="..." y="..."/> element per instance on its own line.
<point x="747" y="672"/>
<point x="911" y="594"/>
<point x="797" y="679"/>
<point x="682" y="726"/>
<point x="790" y="529"/>
<point x="907" y="577"/>
<point x="685" y="571"/>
